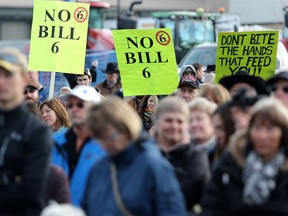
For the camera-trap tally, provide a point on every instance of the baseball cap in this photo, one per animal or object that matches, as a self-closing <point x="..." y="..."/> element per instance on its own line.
<point x="86" y="93"/>
<point x="11" y="58"/>
<point x="189" y="82"/>
<point x="31" y="84"/>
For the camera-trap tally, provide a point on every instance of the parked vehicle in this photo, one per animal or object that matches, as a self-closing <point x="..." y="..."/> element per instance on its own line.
<point x="190" y="28"/>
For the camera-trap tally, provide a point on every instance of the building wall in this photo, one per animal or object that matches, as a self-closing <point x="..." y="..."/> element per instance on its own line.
<point x="258" y="11"/>
<point x="209" y="5"/>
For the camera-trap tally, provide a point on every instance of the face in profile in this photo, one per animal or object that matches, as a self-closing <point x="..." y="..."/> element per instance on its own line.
<point x="113" y="141"/>
<point x="280" y="91"/>
<point x="219" y="130"/>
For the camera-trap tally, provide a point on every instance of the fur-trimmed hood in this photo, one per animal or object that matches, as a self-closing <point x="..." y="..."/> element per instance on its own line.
<point x="238" y="145"/>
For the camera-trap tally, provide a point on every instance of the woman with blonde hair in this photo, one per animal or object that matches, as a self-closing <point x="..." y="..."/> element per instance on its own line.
<point x="215" y="93"/>
<point x="251" y="178"/>
<point x="133" y="178"/>
<point x="55" y="115"/>
<point x="200" y="124"/>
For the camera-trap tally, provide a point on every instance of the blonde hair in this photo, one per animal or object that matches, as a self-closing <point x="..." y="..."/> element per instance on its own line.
<point x="117" y="113"/>
<point x="219" y="93"/>
<point x="203" y="105"/>
<point x="172" y="104"/>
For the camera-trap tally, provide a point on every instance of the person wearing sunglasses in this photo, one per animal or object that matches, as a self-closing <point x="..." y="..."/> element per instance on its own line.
<point x="75" y="151"/>
<point x="278" y="86"/>
<point x="31" y="93"/>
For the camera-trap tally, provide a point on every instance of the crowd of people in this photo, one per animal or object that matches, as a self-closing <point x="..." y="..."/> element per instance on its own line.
<point x="206" y="149"/>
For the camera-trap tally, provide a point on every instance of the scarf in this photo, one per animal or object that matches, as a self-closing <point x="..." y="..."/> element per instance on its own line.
<point x="148" y="114"/>
<point x="259" y="177"/>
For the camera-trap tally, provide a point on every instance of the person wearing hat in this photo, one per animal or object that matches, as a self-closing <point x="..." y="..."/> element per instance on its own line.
<point x="199" y="71"/>
<point x="243" y="80"/>
<point x="84" y="79"/>
<point x="43" y="92"/>
<point x="25" y="142"/>
<point x="187" y="71"/>
<point x="75" y="150"/>
<point x="188" y="88"/>
<point x="278" y="85"/>
<point x="112" y="82"/>
<point x="31" y="94"/>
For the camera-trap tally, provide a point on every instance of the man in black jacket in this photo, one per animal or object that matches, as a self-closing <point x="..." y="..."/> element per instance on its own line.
<point x="25" y="142"/>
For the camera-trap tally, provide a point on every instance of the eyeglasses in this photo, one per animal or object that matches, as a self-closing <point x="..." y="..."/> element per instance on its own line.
<point x="109" y="138"/>
<point x="29" y="91"/>
<point x="79" y="105"/>
<point x="283" y="88"/>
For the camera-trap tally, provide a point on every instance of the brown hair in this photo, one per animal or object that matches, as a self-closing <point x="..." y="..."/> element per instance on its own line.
<point x="223" y="111"/>
<point x="116" y="112"/>
<point x="143" y="104"/>
<point x="61" y="113"/>
<point x="271" y="111"/>
<point x="218" y="92"/>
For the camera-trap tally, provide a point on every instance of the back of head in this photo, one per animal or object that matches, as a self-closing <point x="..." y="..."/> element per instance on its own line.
<point x="114" y="112"/>
<point x="172" y="104"/>
<point x="218" y="93"/>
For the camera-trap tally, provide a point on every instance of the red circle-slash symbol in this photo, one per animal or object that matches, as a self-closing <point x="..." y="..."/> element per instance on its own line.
<point x="80" y="14"/>
<point x="163" y="38"/>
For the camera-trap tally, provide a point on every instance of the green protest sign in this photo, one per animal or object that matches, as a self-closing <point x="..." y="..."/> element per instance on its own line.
<point x="146" y="60"/>
<point x="254" y="52"/>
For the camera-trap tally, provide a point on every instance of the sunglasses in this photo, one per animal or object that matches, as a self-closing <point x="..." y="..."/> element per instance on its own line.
<point x="79" y="105"/>
<point x="29" y="91"/>
<point x="283" y="88"/>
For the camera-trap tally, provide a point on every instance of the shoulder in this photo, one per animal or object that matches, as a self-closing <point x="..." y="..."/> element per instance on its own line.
<point x="153" y="158"/>
<point x="237" y="147"/>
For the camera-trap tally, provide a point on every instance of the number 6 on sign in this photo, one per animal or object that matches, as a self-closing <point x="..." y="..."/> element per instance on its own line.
<point x="146" y="73"/>
<point x="55" y="48"/>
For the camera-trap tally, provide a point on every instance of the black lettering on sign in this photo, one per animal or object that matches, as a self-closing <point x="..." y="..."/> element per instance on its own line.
<point x="233" y="39"/>
<point x="145" y="42"/>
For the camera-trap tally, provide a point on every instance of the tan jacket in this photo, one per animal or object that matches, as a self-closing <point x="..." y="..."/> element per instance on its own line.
<point x="104" y="90"/>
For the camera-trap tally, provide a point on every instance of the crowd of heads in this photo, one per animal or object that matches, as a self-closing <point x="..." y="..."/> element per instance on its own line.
<point x="208" y="115"/>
